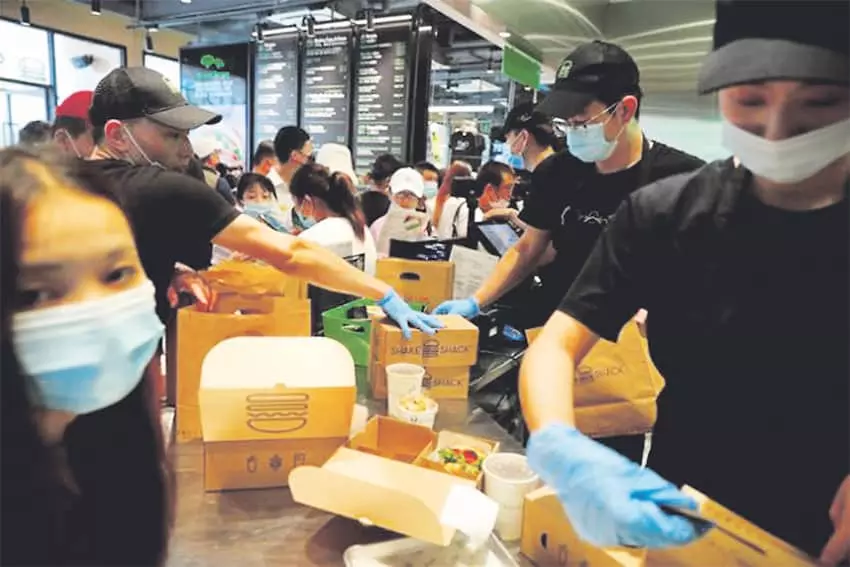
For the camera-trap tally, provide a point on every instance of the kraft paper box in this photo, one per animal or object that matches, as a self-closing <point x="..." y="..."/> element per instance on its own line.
<point x="271" y="404"/>
<point x="548" y="539"/>
<point x="440" y="383"/>
<point x="372" y="480"/>
<point x="616" y="386"/>
<point x="456" y="344"/>
<point x="452" y="440"/>
<point x="430" y="283"/>
<point x="233" y="315"/>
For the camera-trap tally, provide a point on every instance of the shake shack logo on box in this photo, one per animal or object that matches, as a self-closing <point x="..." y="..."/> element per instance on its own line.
<point x="406" y="349"/>
<point x="430" y="382"/>
<point x="277" y="413"/>
<point x="432" y="349"/>
<point x="587" y="374"/>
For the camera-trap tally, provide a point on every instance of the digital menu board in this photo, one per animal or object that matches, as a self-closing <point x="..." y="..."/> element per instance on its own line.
<point x="380" y="119"/>
<point x="216" y="78"/>
<point x="276" y="86"/>
<point x="326" y="87"/>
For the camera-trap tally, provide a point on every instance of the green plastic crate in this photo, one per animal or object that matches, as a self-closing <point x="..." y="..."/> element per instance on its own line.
<point x="354" y="334"/>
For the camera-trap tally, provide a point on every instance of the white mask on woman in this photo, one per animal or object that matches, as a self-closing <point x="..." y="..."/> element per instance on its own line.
<point x="790" y="160"/>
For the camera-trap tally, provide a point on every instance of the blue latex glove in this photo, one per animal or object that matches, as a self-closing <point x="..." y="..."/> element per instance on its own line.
<point x="609" y="500"/>
<point x="467" y="308"/>
<point x="400" y="312"/>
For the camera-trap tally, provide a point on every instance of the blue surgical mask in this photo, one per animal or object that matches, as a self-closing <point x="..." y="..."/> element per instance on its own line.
<point x="431" y="189"/>
<point x="588" y="143"/>
<point x="256" y="209"/>
<point x="302" y="221"/>
<point x="90" y="355"/>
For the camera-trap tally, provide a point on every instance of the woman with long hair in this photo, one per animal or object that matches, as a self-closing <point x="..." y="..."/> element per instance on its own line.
<point x="85" y="479"/>
<point x="445" y="209"/>
<point x="325" y="205"/>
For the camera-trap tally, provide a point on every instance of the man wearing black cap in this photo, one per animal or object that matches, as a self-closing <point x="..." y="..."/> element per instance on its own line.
<point x="743" y="268"/>
<point x="141" y="125"/>
<point x="529" y="134"/>
<point x="574" y="193"/>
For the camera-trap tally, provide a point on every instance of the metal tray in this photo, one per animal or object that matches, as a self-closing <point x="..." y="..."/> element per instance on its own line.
<point x="409" y="552"/>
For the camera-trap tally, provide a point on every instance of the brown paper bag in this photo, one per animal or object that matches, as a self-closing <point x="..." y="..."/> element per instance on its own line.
<point x="616" y="386"/>
<point x="254" y="278"/>
<point x="234" y="315"/>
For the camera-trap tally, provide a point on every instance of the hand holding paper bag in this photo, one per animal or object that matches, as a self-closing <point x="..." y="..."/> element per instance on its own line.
<point x="609" y="500"/>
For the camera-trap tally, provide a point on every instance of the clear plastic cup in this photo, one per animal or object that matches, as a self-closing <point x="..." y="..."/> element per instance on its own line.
<point x="507" y="479"/>
<point x="402" y="379"/>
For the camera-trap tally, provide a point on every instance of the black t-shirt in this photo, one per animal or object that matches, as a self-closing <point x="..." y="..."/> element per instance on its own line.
<point x="748" y="322"/>
<point x="573" y="201"/>
<point x="174" y="218"/>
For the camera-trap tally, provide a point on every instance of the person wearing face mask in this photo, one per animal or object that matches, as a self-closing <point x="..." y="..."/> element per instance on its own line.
<point x="82" y="447"/>
<point x="257" y="197"/>
<point x="574" y="193"/>
<point x="408" y="197"/>
<point x="431" y="179"/>
<point x="141" y="123"/>
<point x="325" y="200"/>
<point x="72" y="130"/>
<point x="207" y="148"/>
<point x="293" y="148"/>
<point x="743" y="269"/>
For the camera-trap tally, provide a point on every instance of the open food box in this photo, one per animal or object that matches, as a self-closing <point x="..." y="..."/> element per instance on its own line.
<point x="381" y="477"/>
<point x="460" y="455"/>
<point x="265" y="410"/>
<point x="549" y="539"/>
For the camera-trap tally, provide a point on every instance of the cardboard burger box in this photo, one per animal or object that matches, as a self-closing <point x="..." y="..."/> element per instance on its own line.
<point x="446" y="356"/>
<point x="233" y="315"/>
<point x="417" y="281"/>
<point x="548" y="539"/>
<point x="452" y="440"/>
<point x="266" y="410"/>
<point x="377" y="479"/>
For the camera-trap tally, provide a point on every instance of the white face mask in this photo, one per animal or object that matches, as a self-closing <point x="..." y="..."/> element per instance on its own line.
<point x="791" y="160"/>
<point x="140" y="150"/>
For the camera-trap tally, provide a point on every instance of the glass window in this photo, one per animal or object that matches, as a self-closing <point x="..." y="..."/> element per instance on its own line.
<point x="81" y="64"/>
<point x="168" y="67"/>
<point x="19" y="105"/>
<point x="24" y="53"/>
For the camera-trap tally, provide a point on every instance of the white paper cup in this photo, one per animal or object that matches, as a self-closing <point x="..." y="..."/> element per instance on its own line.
<point x="509" y="523"/>
<point x="425" y="418"/>
<point x="402" y="379"/>
<point x="508" y="478"/>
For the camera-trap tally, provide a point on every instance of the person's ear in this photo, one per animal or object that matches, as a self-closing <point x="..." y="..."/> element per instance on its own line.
<point x="628" y="108"/>
<point x="115" y="135"/>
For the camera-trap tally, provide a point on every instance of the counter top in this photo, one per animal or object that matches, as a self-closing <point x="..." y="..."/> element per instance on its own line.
<point x="259" y="528"/>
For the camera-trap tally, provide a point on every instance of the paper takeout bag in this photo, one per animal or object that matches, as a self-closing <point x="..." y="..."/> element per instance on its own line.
<point x="252" y="277"/>
<point x="616" y="386"/>
<point x="233" y="315"/>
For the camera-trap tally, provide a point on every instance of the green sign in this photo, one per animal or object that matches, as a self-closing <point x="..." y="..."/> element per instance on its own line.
<point x="520" y="67"/>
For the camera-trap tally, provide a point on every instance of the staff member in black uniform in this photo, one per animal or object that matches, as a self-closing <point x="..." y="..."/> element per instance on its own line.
<point x="743" y="268"/>
<point x="574" y="193"/>
<point x="141" y="125"/>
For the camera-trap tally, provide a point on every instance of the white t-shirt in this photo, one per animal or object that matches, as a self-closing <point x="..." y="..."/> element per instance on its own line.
<point x="455" y="218"/>
<point x="337" y="234"/>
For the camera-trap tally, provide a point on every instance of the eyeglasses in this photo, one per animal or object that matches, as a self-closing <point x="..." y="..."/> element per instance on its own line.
<point x="565" y="125"/>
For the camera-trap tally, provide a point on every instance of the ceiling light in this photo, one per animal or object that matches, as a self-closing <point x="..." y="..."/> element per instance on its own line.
<point x="153" y="28"/>
<point x="186" y="1"/>
<point x="95" y="7"/>
<point x="505" y="34"/>
<point x="25" y="14"/>
<point x="370" y="20"/>
<point x="148" y="42"/>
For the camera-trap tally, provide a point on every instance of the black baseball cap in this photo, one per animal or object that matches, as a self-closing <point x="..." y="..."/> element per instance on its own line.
<point x="525" y="117"/>
<point x="593" y="71"/>
<point x="137" y="92"/>
<point x="754" y="41"/>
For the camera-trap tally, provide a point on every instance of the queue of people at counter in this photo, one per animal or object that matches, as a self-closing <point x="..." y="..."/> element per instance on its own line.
<point x="741" y="265"/>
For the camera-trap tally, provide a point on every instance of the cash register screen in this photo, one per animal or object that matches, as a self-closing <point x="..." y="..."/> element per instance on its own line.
<point x="502" y="236"/>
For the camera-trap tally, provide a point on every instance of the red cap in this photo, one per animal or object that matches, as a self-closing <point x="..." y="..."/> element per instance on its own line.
<point x="76" y="105"/>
